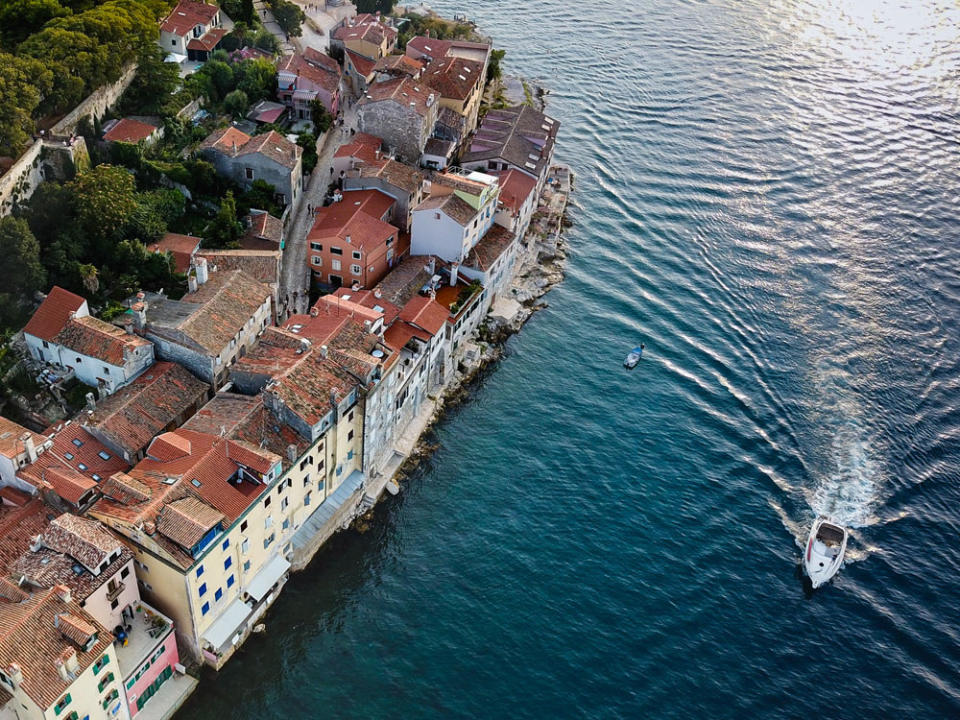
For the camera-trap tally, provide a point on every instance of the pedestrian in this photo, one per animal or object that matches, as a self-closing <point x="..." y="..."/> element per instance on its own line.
<point x="331" y="171"/>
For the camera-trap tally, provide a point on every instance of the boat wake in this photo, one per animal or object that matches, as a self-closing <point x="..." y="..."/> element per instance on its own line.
<point x="850" y="494"/>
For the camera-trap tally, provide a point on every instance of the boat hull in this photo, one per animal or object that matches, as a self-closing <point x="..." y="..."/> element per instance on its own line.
<point x="824" y="552"/>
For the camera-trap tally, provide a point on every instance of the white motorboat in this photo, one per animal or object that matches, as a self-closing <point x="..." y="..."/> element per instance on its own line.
<point x="633" y="357"/>
<point x="824" y="553"/>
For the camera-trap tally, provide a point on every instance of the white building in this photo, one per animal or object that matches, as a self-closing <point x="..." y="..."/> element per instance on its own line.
<point x="457" y="214"/>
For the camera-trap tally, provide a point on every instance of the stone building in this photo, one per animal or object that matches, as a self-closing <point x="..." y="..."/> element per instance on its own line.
<point x="402" y="112"/>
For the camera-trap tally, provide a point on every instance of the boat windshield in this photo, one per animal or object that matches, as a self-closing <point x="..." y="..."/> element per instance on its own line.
<point x="830" y="534"/>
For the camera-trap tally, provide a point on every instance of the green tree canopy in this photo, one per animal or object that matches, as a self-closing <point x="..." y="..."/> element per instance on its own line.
<point x="236" y="103"/>
<point x="257" y="78"/>
<point x="105" y="200"/>
<point x="289" y="16"/>
<point x="322" y="119"/>
<point x="224" y="230"/>
<point x="23" y="83"/>
<point x="152" y="87"/>
<point x="21" y="251"/>
<point x="308" y="141"/>
<point x="21" y="18"/>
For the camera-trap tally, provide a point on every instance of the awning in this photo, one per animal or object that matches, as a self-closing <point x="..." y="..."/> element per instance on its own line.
<point x="267" y="577"/>
<point x="269" y="116"/>
<point x="227" y="624"/>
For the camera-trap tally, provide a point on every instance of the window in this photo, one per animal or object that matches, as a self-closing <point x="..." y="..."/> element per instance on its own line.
<point x="249" y="173"/>
<point x="46" y="344"/>
<point x="205" y="609"/>
<point x="96" y="478"/>
<point x="246" y="566"/>
<point x="107" y="679"/>
<point x="78" y="442"/>
<point x="335" y="264"/>
<point x="356" y="255"/>
<point x="286" y="523"/>
<point x="245" y="546"/>
<point x="230" y="581"/>
<point x="61" y="704"/>
<point x="316" y="246"/>
<point x="284" y="503"/>
<point x="268" y="522"/>
<point x="243" y="526"/>
<point x="124" y="572"/>
<point x="81" y="466"/>
<point x="104" y="455"/>
<point x="200" y="571"/>
<point x="320" y="485"/>
<point x="79" y="360"/>
<point x="350" y="435"/>
<point x="356" y="269"/>
<point x="227" y="563"/>
<point x="306" y="499"/>
<point x="202" y="590"/>
<point x="218" y="594"/>
<point x="106" y="370"/>
<point x="336" y="250"/>
<point x="113" y="605"/>
<point x="68" y="456"/>
<point x="266" y="503"/>
<point x="390" y="240"/>
<point x="101" y="664"/>
<point x="436" y="216"/>
<point x="268" y="541"/>
<point x="226" y="544"/>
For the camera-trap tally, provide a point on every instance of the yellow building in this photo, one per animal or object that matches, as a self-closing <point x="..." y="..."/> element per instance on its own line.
<point x="56" y="661"/>
<point x="459" y="82"/>
<point x="366" y="35"/>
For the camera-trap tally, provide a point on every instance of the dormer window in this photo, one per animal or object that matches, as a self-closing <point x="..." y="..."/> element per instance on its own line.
<point x="198" y="31"/>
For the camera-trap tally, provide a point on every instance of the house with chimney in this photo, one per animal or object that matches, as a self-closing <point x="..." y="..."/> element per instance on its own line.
<point x="305" y="77"/>
<point x="362" y="147"/>
<point x="161" y="399"/>
<point x="426" y="49"/>
<point x="367" y="35"/>
<point x="57" y="661"/>
<point x="63" y="333"/>
<point x="210" y="327"/>
<point x="192" y="31"/>
<point x="402" y="112"/>
<point x="98" y="569"/>
<point x="459" y="82"/>
<point x="18" y="447"/>
<point x="401" y="182"/>
<point x="351" y="240"/>
<point x="518" y="202"/>
<point x="269" y="157"/>
<point x="490" y="262"/>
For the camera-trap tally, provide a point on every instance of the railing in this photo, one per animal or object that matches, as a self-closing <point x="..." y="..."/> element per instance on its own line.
<point x="114" y="592"/>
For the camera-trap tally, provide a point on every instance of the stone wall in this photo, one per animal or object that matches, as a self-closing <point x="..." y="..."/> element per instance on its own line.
<point x="44" y="160"/>
<point x="401" y="128"/>
<point x="96" y="104"/>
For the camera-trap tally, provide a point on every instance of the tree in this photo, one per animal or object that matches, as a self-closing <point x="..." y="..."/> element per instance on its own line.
<point x="308" y="141"/>
<point x="266" y="41"/>
<point x="322" y="119"/>
<point x="494" y="71"/>
<point x="257" y="78"/>
<point x="105" y="199"/>
<point x="236" y="103"/>
<point x="154" y="83"/>
<point x="261" y="195"/>
<point x="23" y="84"/>
<point x="289" y="16"/>
<point x="19" y="19"/>
<point x="51" y="209"/>
<point x="224" y="230"/>
<point x="220" y="76"/>
<point x="21" y="252"/>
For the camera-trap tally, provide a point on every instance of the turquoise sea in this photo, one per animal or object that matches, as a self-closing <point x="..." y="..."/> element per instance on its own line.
<point x="767" y="196"/>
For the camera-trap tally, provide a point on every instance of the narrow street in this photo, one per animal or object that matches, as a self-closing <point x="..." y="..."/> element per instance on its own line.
<point x="295" y="279"/>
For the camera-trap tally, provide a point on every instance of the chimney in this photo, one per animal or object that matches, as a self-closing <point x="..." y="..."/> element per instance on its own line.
<point x="432" y="266"/>
<point x="28" y="447"/>
<point x="71" y="661"/>
<point x="454" y="271"/>
<point x="63" y="592"/>
<point x="304" y="344"/>
<point x="355" y="287"/>
<point x="348" y="239"/>
<point x="128" y="326"/>
<point x="430" y="98"/>
<point x="150" y="527"/>
<point x="333" y="398"/>
<point x="202" y="274"/>
<point x="314" y="312"/>
<point x="377" y="293"/>
<point x="62" y="669"/>
<point x="139" y="315"/>
<point x="192" y="283"/>
<point x="292" y="453"/>
<point x="36" y="544"/>
<point x="323" y="351"/>
<point x="377" y="154"/>
<point x="91" y="402"/>
<point x="15" y="674"/>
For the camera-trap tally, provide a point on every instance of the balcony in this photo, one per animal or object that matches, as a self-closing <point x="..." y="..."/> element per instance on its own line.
<point x="114" y="590"/>
<point x="144" y="633"/>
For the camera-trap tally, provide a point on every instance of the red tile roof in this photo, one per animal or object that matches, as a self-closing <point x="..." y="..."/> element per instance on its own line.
<point x="53" y="313"/>
<point x="38" y="633"/>
<point x="366" y="27"/>
<point x="11" y="433"/>
<point x="357" y="216"/>
<point x="130" y="131"/>
<point x="228" y="300"/>
<point x="18" y="527"/>
<point x="368" y="298"/>
<point x="85" y="540"/>
<point x="432" y="47"/>
<point x="399" y="65"/>
<point x="208" y="41"/>
<point x="186" y="15"/>
<point x="453" y="77"/>
<point x="515" y="188"/>
<point x="425" y="313"/>
<point x="319" y="69"/>
<point x="133" y="415"/>
<point x="363" y="65"/>
<point x="265" y="231"/>
<point x="363" y="146"/>
<point x="490" y="247"/>
<point x="181" y="247"/>
<point x="95" y="338"/>
<point x="405" y="92"/>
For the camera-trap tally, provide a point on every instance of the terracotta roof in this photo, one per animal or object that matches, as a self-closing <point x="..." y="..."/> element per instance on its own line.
<point x="314" y="67"/>
<point x="10" y="591"/>
<point x="432" y="47"/>
<point x="9" y="495"/>
<point x="399" y="65"/>
<point x="363" y="146"/>
<point x="187" y="520"/>
<point x="437" y="147"/>
<point x="227" y="301"/>
<point x="490" y="247"/>
<point x="131" y="417"/>
<point x="366" y="27"/>
<point x="85" y="540"/>
<point x="395" y="173"/>
<point x="357" y="216"/>
<point x="405" y="92"/>
<point x="45" y="568"/>
<point x="262" y="265"/>
<point x="53" y="313"/>
<point x="246" y="418"/>
<point x="425" y="313"/>
<point x="95" y="338"/>
<point x="265" y="232"/>
<point x="11" y="445"/>
<point x="453" y="206"/>
<point x="181" y="247"/>
<point x="453" y="77"/>
<point x="236" y="143"/>
<point x="368" y="298"/>
<point x="130" y="131"/>
<point x="515" y="188"/>
<point x="30" y="638"/>
<point x="125" y="489"/>
<point x="406" y="279"/>
<point x="361" y="64"/>
<point x="225" y="139"/>
<point x="18" y="527"/>
<point x="186" y="15"/>
<point x="208" y="41"/>
<point x="59" y="468"/>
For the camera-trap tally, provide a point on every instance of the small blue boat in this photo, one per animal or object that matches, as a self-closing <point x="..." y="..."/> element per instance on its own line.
<point x="633" y="357"/>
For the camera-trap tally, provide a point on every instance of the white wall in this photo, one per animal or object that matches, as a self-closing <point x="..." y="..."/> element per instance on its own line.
<point x="443" y="237"/>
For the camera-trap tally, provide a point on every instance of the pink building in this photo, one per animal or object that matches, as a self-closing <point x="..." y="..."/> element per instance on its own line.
<point x="149" y="656"/>
<point x="302" y="78"/>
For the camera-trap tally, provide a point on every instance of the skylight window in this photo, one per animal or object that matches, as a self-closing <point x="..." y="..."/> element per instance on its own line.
<point x="195" y="482"/>
<point x="78" y="442"/>
<point x="104" y="455"/>
<point x="68" y="456"/>
<point x="81" y="466"/>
